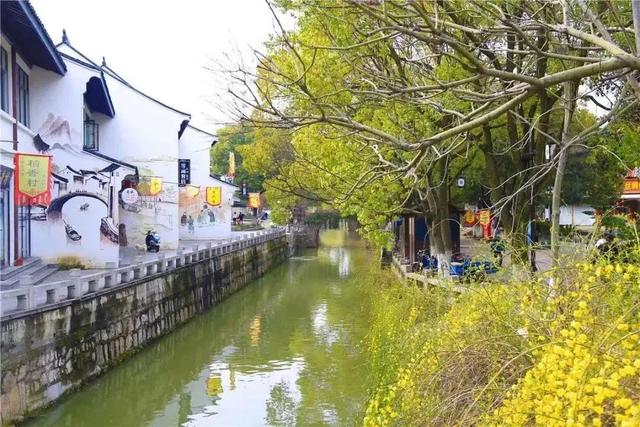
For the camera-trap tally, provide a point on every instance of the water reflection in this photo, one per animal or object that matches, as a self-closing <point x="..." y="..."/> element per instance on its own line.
<point x="341" y="258"/>
<point x="283" y="351"/>
<point x="244" y="398"/>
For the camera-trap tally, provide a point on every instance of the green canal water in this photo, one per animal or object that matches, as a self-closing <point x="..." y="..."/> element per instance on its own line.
<point x="285" y="350"/>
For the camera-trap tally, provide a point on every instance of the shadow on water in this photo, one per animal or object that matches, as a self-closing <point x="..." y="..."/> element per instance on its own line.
<point x="282" y="351"/>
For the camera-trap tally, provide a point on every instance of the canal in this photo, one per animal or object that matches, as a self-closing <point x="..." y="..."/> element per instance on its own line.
<point x="285" y="350"/>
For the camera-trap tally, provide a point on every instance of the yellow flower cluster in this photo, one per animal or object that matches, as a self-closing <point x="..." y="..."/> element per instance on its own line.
<point x="586" y="368"/>
<point x="514" y="354"/>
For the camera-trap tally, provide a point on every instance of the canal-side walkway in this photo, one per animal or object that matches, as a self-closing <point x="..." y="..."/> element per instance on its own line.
<point x="76" y="283"/>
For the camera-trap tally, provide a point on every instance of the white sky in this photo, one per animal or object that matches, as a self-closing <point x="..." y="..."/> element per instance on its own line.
<point x="161" y="47"/>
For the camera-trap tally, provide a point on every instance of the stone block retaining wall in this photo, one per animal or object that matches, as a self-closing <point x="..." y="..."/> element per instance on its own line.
<point x="50" y="350"/>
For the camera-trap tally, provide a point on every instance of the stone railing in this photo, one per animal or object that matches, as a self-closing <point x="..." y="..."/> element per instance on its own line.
<point x="31" y="297"/>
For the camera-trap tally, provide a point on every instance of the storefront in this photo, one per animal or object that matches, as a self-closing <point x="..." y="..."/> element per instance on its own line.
<point x="631" y="193"/>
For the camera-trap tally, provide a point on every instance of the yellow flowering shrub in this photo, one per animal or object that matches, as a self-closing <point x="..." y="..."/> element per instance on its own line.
<point x="510" y="354"/>
<point x="586" y="367"/>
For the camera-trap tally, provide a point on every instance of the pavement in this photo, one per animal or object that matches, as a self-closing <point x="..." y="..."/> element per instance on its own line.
<point x="569" y="252"/>
<point x="130" y="255"/>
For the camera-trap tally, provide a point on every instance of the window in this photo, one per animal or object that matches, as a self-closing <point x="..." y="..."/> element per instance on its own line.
<point x="23" y="97"/>
<point x="91" y="133"/>
<point x="4" y="80"/>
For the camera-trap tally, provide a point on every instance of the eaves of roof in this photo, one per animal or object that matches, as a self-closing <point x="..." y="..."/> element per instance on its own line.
<point x="21" y="23"/>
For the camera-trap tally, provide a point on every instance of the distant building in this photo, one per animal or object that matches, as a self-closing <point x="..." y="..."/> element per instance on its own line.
<point x="205" y="200"/>
<point x="631" y="192"/>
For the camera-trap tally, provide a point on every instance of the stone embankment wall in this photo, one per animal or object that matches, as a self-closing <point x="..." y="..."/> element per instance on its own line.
<point x="49" y="351"/>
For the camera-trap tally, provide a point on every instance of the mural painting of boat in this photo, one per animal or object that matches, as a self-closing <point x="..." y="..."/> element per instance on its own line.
<point x="71" y="233"/>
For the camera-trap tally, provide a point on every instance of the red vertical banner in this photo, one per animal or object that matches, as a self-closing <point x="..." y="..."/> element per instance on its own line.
<point x="484" y="218"/>
<point x="32" y="179"/>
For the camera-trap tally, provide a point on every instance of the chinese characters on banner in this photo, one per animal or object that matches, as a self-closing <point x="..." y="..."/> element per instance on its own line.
<point x="469" y="218"/>
<point x="631" y="186"/>
<point x="254" y="200"/>
<point x="184" y="172"/>
<point x="484" y="218"/>
<point x="214" y="196"/>
<point x="32" y="179"/>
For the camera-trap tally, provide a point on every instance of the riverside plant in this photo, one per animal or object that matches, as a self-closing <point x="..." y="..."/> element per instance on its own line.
<point x="517" y="353"/>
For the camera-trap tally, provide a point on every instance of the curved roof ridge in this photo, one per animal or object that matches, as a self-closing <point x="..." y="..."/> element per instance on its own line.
<point x="88" y="60"/>
<point x="116" y="76"/>
<point x="202" y="130"/>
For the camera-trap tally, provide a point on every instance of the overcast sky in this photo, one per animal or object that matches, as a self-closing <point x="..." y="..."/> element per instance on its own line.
<point x="162" y="47"/>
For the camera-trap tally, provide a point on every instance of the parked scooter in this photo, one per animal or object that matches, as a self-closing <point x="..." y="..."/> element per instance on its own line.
<point x="153" y="241"/>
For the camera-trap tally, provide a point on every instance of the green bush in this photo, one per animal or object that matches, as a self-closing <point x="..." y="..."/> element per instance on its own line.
<point x="69" y="262"/>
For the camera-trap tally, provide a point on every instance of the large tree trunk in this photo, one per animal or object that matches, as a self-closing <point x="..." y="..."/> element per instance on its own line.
<point x="439" y="230"/>
<point x="569" y="93"/>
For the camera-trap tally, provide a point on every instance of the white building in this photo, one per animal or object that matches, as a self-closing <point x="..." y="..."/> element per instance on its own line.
<point x="103" y="136"/>
<point x="26" y="49"/>
<point x="205" y="201"/>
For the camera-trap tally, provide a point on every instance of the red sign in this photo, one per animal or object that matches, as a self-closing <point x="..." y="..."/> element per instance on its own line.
<point x="32" y="179"/>
<point x="484" y="217"/>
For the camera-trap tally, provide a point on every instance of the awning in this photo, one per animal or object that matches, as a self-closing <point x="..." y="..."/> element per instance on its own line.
<point x="630" y="196"/>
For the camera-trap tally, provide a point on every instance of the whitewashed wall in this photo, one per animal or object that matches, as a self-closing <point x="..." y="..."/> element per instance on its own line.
<point x="145" y="134"/>
<point x="57" y="115"/>
<point x="207" y="222"/>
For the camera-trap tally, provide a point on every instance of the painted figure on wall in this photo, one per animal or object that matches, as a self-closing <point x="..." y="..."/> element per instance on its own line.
<point x="202" y="212"/>
<point x="154" y="209"/>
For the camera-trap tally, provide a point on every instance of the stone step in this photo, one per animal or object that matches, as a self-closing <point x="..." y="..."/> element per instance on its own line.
<point x="38" y="275"/>
<point x="7" y="273"/>
<point x="8" y="284"/>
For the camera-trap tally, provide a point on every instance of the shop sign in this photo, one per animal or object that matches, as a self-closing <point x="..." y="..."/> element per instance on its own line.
<point x="184" y="172"/>
<point x="214" y="196"/>
<point x="631" y="186"/>
<point x="129" y="195"/>
<point x="254" y="200"/>
<point x="484" y="217"/>
<point x="32" y="179"/>
<point x="469" y="217"/>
